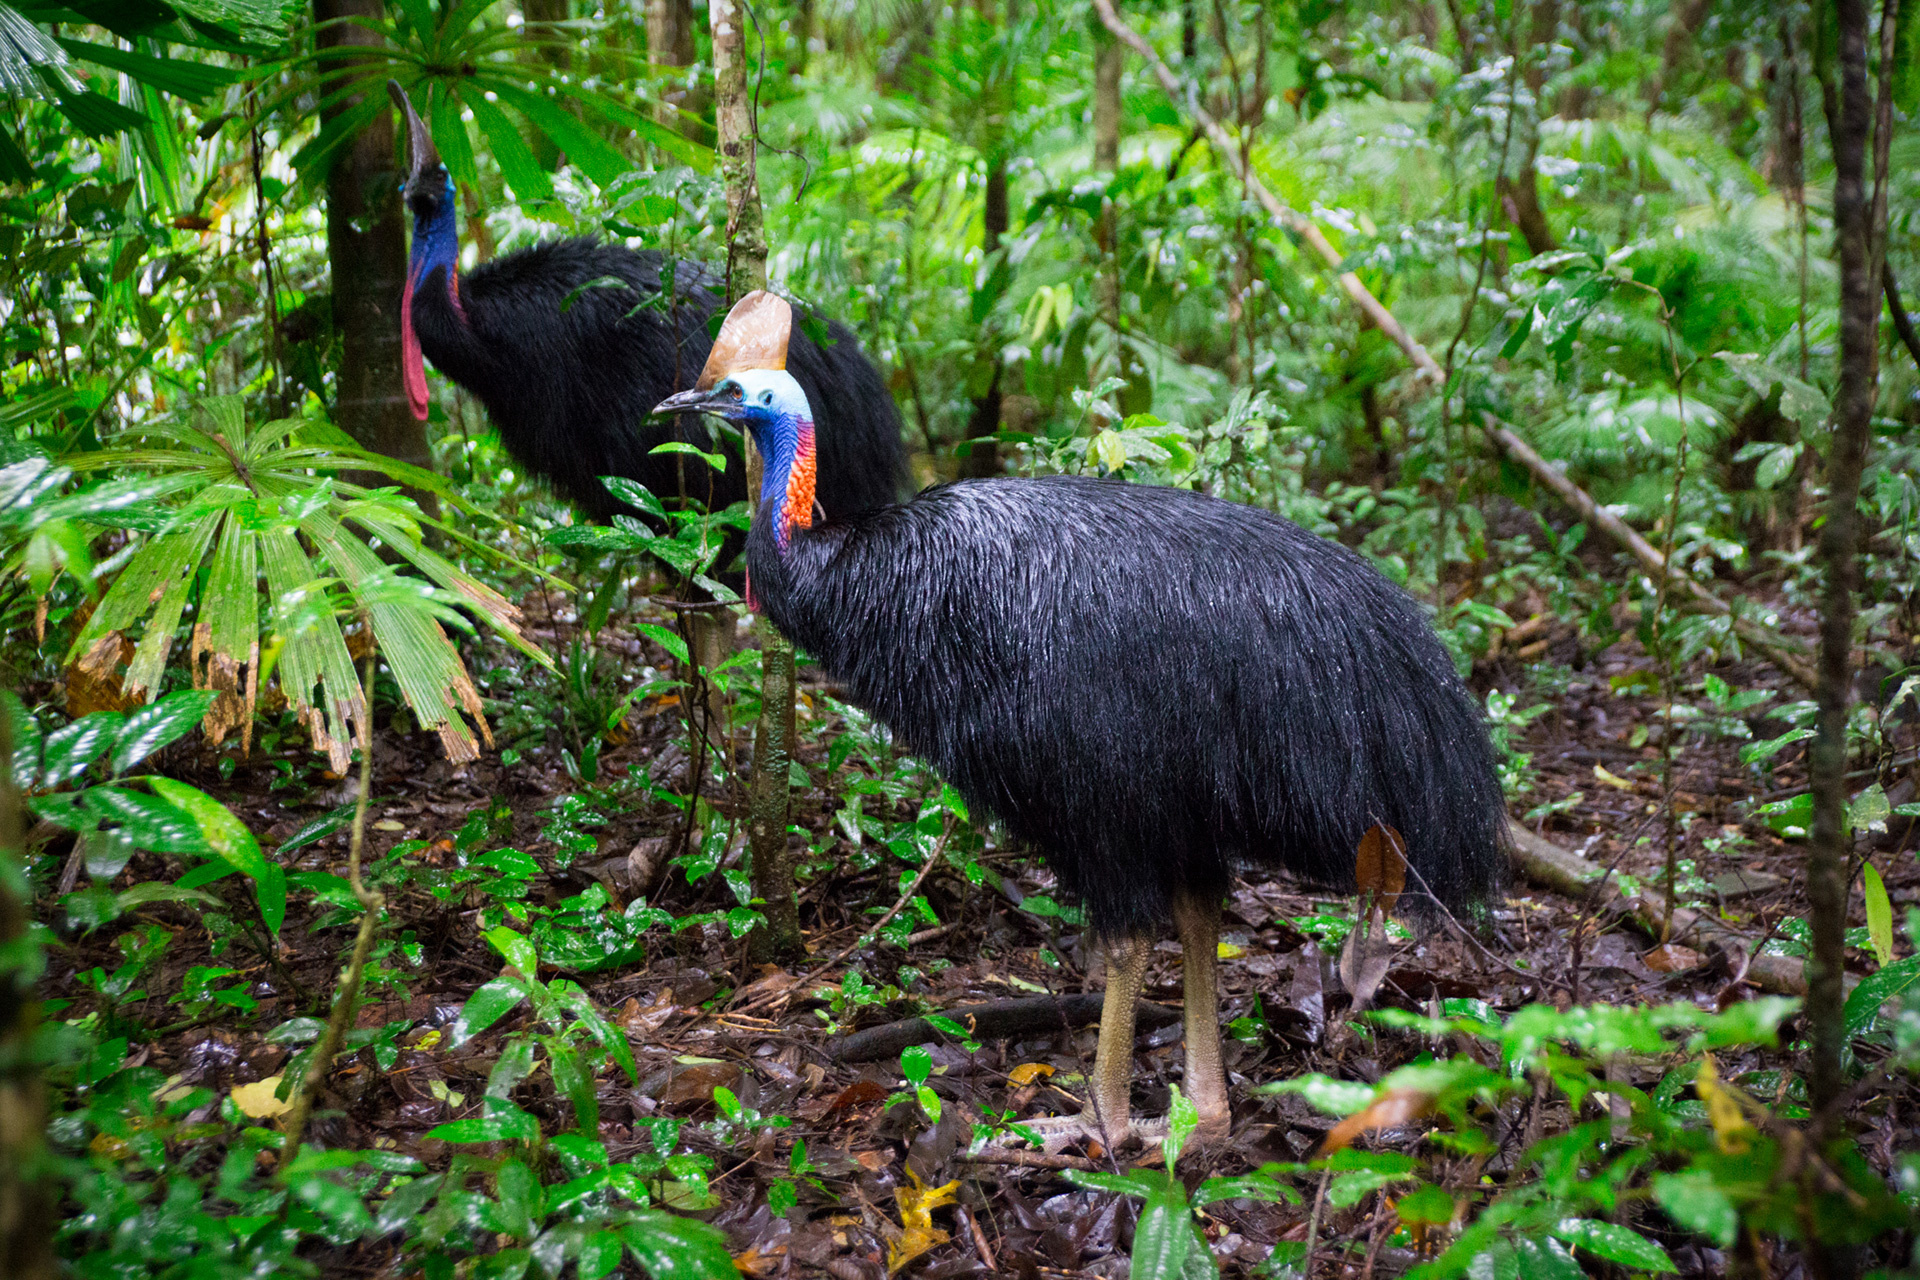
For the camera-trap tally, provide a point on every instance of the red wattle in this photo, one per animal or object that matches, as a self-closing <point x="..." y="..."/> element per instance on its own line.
<point x="413" y="368"/>
<point x="752" y="604"/>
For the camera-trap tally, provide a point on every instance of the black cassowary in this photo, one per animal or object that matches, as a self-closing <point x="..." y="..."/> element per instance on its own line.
<point x="1151" y="685"/>
<point x="569" y="371"/>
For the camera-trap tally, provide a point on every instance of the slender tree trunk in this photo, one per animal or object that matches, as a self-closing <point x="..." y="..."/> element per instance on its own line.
<point x="1106" y="163"/>
<point x="983" y="455"/>
<point x="1520" y="195"/>
<point x="26" y="1200"/>
<point x="670" y="44"/>
<point x="1682" y="21"/>
<point x="779" y="938"/>
<point x="1831" y="847"/>
<point x="367" y="253"/>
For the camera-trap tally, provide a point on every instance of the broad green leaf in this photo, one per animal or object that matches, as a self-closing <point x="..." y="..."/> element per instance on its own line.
<point x="717" y="461"/>
<point x="1162" y="1238"/>
<point x="1614" y="1243"/>
<point x="225" y="834"/>
<point x="634" y="494"/>
<point x="668" y="1247"/>
<point x="1776" y="466"/>
<point x="1140" y="1183"/>
<point x="518" y="166"/>
<point x="1182" y="1119"/>
<point x="23" y="733"/>
<point x="151" y="823"/>
<point x="1428" y="1204"/>
<point x="500" y="1122"/>
<point x="1869" y="810"/>
<point x="1694" y="1199"/>
<point x="1541" y="1259"/>
<point x="597" y="158"/>
<point x="335" y="1203"/>
<point x="1562" y="322"/>
<point x="1803" y="403"/>
<point x="68" y="751"/>
<point x="1874" y="990"/>
<point x="596" y="538"/>
<point x="1335" y="1097"/>
<point x="339" y="818"/>
<point x="1760" y="752"/>
<point x="915" y="1063"/>
<point x="486" y="1006"/>
<point x="667" y="639"/>
<point x="158" y="724"/>
<point x="515" y="949"/>
<point x="1879" y="914"/>
<point x="1248" y="1187"/>
<point x="194" y="81"/>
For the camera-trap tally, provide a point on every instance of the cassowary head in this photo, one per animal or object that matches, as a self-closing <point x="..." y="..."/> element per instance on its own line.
<point x="436" y="243"/>
<point x="746" y="382"/>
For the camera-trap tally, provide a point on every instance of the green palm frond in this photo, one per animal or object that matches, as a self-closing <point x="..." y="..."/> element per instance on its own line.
<point x="252" y="506"/>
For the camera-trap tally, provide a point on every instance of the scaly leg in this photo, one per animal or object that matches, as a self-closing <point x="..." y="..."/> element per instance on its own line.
<point x="1112" y="1082"/>
<point x="1198" y="923"/>
<point x="1106" y="1115"/>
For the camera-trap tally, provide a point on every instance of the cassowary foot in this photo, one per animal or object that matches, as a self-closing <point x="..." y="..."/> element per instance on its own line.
<point x="1059" y="1132"/>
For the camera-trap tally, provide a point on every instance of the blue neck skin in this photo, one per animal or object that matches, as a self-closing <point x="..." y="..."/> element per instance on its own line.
<point x="786" y="446"/>
<point x="436" y="241"/>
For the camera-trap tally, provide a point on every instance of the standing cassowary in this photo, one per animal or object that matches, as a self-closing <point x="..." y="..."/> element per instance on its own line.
<point x="1151" y="685"/>
<point x="568" y="369"/>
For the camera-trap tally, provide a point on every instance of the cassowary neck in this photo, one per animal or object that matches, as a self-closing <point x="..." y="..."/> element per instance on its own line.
<point x="786" y="485"/>
<point x="436" y="243"/>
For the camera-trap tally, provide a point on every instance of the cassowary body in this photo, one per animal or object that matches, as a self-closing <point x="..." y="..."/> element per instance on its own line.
<point x="569" y="366"/>
<point x="1151" y="685"/>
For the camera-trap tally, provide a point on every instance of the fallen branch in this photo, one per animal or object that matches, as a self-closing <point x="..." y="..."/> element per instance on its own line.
<point x="1028" y="1159"/>
<point x="1431" y="376"/>
<point x="994" y="1020"/>
<point x="1546" y="864"/>
<point x="1777" y="650"/>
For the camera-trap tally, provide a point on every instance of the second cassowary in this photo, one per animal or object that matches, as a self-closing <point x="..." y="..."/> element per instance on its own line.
<point x="569" y="369"/>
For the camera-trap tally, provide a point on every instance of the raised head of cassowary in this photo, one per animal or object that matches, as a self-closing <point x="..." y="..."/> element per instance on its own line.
<point x="569" y="368"/>
<point x="1152" y="686"/>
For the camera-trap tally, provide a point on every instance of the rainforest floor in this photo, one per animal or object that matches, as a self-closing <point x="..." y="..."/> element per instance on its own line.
<point x="700" y="1014"/>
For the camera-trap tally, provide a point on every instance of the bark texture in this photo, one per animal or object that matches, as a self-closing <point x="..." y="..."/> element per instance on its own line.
<point x="1858" y="382"/>
<point x="26" y="1202"/>
<point x="983" y="456"/>
<point x="779" y="937"/>
<point x="367" y="254"/>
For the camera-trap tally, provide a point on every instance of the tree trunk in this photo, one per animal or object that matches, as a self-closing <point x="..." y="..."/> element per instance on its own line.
<point x="983" y="455"/>
<point x="1682" y="21"/>
<point x="26" y="1201"/>
<point x="1830" y="849"/>
<point x="1520" y="195"/>
<point x="670" y="44"/>
<point x="367" y="253"/>
<point x="779" y="937"/>
<point x="1106" y="163"/>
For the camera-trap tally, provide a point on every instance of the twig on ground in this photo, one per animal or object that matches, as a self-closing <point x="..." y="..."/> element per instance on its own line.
<point x="1028" y="1159"/>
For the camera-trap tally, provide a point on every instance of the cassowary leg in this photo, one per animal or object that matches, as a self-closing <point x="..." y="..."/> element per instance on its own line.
<point x="1198" y="923"/>
<point x="1112" y="1082"/>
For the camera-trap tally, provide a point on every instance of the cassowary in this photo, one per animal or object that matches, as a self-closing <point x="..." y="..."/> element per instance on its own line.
<point x="568" y="368"/>
<point x="1152" y="686"/>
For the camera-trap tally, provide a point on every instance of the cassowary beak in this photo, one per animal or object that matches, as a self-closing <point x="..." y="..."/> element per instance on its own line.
<point x="421" y="153"/>
<point x="698" y="401"/>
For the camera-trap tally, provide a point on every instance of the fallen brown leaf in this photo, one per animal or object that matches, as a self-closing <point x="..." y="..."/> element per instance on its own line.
<point x="1389" y="1111"/>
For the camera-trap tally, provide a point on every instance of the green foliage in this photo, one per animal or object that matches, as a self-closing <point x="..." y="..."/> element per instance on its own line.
<point x="245" y="502"/>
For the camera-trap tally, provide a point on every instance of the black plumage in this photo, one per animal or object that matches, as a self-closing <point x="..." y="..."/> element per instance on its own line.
<point x="570" y="389"/>
<point x="1150" y="685"/>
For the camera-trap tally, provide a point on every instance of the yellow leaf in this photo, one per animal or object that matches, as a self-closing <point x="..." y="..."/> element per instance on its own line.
<point x="1229" y="950"/>
<point x="388" y="824"/>
<point x="917" y="1232"/>
<point x="1613" y="780"/>
<point x="1027" y="1072"/>
<point x="173" y="1090"/>
<point x="1730" y="1127"/>
<point x="256" y="1101"/>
